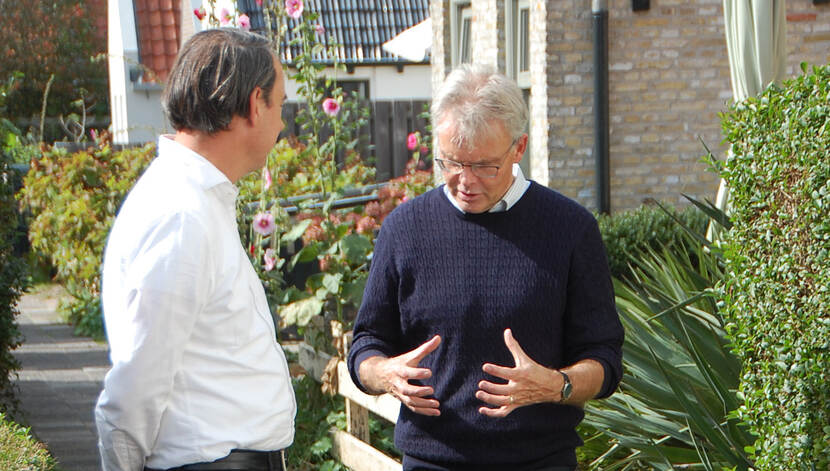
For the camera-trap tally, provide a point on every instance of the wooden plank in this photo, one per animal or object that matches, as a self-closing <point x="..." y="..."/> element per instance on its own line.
<point x="312" y="361"/>
<point x="382" y="139"/>
<point x="315" y="363"/>
<point x="384" y="405"/>
<point x="357" y="420"/>
<point x="401" y="127"/>
<point x="360" y="456"/>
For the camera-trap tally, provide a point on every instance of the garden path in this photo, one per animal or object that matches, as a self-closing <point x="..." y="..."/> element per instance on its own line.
<point x="59" y="381"/>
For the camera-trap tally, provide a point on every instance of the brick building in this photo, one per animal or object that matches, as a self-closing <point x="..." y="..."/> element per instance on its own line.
<point x="668" y="80"/>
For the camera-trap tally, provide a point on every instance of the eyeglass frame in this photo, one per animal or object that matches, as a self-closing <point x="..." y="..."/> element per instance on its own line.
<point x="457" y="168"/>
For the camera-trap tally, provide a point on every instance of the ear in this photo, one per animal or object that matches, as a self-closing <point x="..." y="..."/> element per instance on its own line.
<point x="521" y="147"/>
<point x="255" y="103"/>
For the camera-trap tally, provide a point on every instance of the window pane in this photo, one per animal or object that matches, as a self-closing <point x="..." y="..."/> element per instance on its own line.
<point x="466" y="49"/>
<point x="524" y="43"/>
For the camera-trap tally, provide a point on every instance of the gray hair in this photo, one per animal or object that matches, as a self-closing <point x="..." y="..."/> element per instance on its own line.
<point x="473" y="96"/>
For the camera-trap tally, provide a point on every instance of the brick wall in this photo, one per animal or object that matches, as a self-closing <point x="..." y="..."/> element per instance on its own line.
<point x="669" y="79"/>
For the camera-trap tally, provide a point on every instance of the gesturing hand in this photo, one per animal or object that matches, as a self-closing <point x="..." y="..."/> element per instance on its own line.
<point x="527" y="383"/>
<point x="392" y="375"/>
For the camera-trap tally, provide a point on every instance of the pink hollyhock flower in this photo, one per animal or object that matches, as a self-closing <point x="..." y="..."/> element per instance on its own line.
<point x="266" y="177"/>
<point x="331" y="107"/>
<point x="411" y="141"/>
<point x="200" y="13"/>
<point x="294" y="8"/>
<point x="224" y="17"/>
<point x="424" y="149"/>
<point x="264" y="223"/>
<point x="269" y="259"/>
<point x="244" y="22"/>
<point x="259" y="3"/>
<point x="320" y="29"/>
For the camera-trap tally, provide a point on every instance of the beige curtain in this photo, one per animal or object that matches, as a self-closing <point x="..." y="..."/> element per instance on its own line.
<point x="756" y="39"/>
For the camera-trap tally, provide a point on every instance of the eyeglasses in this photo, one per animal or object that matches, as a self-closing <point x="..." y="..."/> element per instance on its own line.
<point x="480" y="170"/>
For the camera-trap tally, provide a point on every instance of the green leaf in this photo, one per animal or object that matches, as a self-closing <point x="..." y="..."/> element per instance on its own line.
<point x="356" y="247"/>
<point x="306" y="254"/>
<point x="331" y="281"/>
<point x="296" y="231"/>
<point x="300" y="312"/>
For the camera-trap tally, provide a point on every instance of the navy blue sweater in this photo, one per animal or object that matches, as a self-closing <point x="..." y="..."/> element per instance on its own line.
<point x="540" y="269"/>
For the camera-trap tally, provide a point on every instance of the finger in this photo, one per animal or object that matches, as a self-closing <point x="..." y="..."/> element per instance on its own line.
<point x="409" y="373"/>
<point x="496" y="413"/>
<point x="515" y="349"/>
<point x="415" y="356"/>
<point x="407" y="389"/>
<point x="493" y="399"/>
<point x="494" y="388"/>
<point x="499" y="371"/>
<point x="426" y="411"/>
<point x="420" y="402"/>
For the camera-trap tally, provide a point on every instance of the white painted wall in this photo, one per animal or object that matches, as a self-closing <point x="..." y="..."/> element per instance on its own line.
<point x="385" y="82"/>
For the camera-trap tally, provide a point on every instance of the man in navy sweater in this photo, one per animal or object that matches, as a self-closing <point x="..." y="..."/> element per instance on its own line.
<point x="489" y="311"/>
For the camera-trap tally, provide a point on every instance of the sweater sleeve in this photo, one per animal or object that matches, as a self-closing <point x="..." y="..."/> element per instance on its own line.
<point x="377" y="329"/>
<point x="592" y="325"/>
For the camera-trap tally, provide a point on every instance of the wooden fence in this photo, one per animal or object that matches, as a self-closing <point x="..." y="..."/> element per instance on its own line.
<point x="383" y="140"/>
<point x="353" y="447"/>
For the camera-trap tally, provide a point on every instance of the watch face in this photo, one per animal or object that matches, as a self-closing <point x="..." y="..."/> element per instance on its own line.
<point x="566" y="390"/>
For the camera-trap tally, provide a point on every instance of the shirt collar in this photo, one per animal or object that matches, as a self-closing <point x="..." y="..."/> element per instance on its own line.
<point x="511" y="197"/>
<point x="196" y="167"/>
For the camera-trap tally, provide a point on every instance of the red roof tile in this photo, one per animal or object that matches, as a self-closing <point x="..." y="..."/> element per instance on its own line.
<point x="159" y="31"/>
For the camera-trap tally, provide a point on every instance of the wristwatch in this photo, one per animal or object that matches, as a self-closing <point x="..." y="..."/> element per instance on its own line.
<point x="567" y="388"/>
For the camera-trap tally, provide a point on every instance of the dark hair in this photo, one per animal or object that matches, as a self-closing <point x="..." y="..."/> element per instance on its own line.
<point x="213" y="77"/>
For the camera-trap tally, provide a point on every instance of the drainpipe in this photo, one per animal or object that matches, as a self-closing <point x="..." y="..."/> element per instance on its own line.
<point x="599" y="14"/>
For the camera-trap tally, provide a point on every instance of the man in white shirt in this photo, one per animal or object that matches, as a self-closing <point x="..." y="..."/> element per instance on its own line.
<point x="198" y="379"/>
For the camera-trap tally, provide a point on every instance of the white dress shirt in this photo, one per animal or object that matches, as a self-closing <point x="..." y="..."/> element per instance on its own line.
<point x="512" y="196"/>
<point x="197" y="370"/>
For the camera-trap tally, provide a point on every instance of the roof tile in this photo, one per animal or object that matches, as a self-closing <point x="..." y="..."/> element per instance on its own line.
<point x="360" y="26"/>
<point x="158" y="25"/>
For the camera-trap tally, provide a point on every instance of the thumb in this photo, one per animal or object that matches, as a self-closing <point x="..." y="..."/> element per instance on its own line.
<point x="423" y="350"/>
<point x="516" y="350"/>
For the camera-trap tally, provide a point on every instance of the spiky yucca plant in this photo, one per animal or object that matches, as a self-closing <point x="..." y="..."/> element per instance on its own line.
<point x="674" y="407"/>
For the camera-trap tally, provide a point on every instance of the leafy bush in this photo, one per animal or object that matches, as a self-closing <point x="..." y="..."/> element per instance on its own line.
<point x="777" y="289"/>
<point x="680" y="377"/>
<point x="12" y="280"/>
<point x="58" y="39"/>
<point x="20" y="452"/>
<point x="73" y="199"/>
<point x="627" y="234"/>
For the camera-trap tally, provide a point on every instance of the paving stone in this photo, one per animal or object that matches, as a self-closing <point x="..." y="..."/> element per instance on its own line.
<point x="59" y="381"/>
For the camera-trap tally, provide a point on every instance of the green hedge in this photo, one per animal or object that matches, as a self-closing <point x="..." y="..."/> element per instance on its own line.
<point x="777" y="289"/>
<point x="12" y="280"/>
<point x="628" y="233"/>
<point x="73" y="199"/>
<point x="20" y="452"/>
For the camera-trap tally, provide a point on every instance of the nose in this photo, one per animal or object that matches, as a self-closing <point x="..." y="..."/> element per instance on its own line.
<point x="467" y="175"/>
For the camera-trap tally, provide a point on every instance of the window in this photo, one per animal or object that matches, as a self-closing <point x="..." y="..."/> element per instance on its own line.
<point x="461" y="21"/>
<point x="518" y="41"/>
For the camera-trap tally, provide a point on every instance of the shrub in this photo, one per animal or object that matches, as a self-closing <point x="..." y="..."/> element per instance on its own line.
<point x="73" y="199"/>
<point x="58" y="38"/>
<point x="12" y="280"/>
<point x="20" y="452"/>
<point x="627" y="234"/>
<point x="777" y="289"/>
<point x="680" y="377"/>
